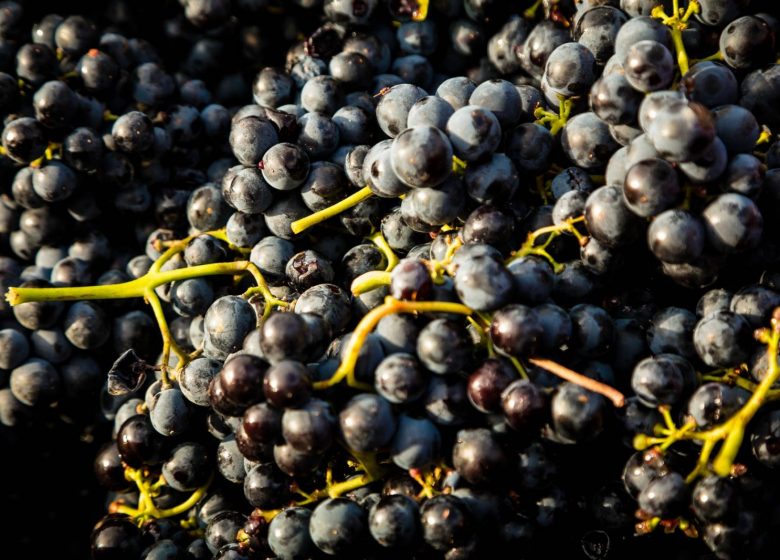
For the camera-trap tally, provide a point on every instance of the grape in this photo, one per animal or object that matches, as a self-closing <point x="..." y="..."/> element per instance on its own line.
<point x="745" y="175"/>
<point x="446" y="522"/>
<point x="338" y="524"/>
<point x="367" y="423"/>
<point x="649" y="66"/>
<point x="487" y="382"/>
<point x="416" y="443"/>
<point x="15" y="348"/>
<point x="288" y="534"/>
<point x="379" y="174"/>
<point x="285" y="166"/>
<point x="640" y="28"/>
<point x="746" y="42"/>
<point x="483" y="283"/>
<point x="570" y="69"/>
<point x="133" y="132"/>
<point x="556" y="327"/>
<point x="139" y="443"/>
<point x="309" y="429"/>
<point x="432" y="110"/>
<point x="712" y="403"/>
<point x="709" y="166"/>
<point x="736" y="127"/>
<point x="577" y="414"/>
<point x="287" y="384"/>
<point x="681" y="131"/>
<point x="639" y="471"/>
<point x="501" y="98"/>
<point x="393" y="108"/>
<point x="169" y="412"/>
<point x="711" y="84"/>
<point x="515" y="330"/>
<point x="658" y="380"/>
<point x="487" y="225"/>
<point x="400" y="378"/>
<point x="409" y="165"/>
<point x="714" y="498"/>
<point x="671" y="331"/>
<point x="115" y="536"/>
<point x="524" y="405"/>
<point x="221" y="529"/>
<point x="478" y="457"/>
<point x="394" y="521"/>
<point x="207" y="209"/>
<point x="614" y="101"/>
<point x="266" y="487"/>
<point x="608" y="218"/>
<point x="230" y="461"/>
<point x="733" y="223"/>
<point x="35" y="382"/>
<point x="227" y="321"/>
<point x="187" y="467"/>
<point x="443" y="346"/>
<point x="474" y="132"/>
<point x="597" y="29"/>
<point x="665" y="496"/>
<point x="762" y="437"/>
<point x="592" y="330"/>
<point x="542" y="40"/>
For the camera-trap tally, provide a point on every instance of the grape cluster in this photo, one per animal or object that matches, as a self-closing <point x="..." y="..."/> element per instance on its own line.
<point x="361" y="278"/>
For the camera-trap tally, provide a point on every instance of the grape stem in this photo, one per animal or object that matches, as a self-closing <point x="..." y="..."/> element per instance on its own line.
<point x="730" y="433"/>
<point x="366" y="462"/>
<point x="147" y="491"/>
<point x="368" y="281"/>
<point x="428" y="479"/>
<point x="530" y="11"/>
<point x="677" y="23"/>
<point x="145" y="285"/>
<point x="346" y="369"/>
<point x="530" y="247"/>
<point x="421" y="12"/>
<point x="438" y="268"/>
<point x="334" y="210"/>
<point x="556" y="121"/>
<point x="617" y="398"/>
<point x="384" y="247"/>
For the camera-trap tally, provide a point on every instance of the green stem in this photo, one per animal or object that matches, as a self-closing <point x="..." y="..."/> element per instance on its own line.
<point x="381" y="243"/>
<point x="346" y="369"/>
<point x="130" y="289"/>
<point x="343" y="205"/>
<point x="370" y="281"/>
<point x="133" y="288"/>
<point x="529" y="246"/>
<point x="679" y="47"/>
<point x="168" y="342"/>
<point x="186" y="505"/>
<point x="530" y="11"/>
<point x="738" y="423"/>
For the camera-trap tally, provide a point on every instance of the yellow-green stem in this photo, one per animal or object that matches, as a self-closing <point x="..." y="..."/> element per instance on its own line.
<point x="384" y="247"/>
<point x="168" y="342"/>
<point x="738" y="423"/>
<point x="343" y="205"/>
<point x="679" y="47"/>
<point x="346" y="369"/>
<point x="130" y="289"/>
<point x="370" y="280"/>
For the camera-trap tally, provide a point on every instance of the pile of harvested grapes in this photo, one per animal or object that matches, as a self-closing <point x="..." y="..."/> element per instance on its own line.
<point x="383" y="279"/>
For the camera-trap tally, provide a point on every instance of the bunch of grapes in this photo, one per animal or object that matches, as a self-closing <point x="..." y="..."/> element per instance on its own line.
<point x="366" y="278"/>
